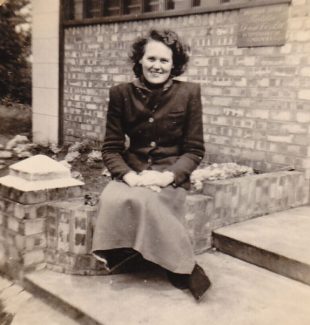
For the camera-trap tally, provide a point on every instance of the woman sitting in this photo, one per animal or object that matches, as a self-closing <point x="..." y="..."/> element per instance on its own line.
<point x="141" y="209"/>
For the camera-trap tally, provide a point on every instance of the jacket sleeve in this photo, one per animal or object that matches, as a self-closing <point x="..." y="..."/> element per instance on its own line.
<point x="114" y="142"/>
<point x="193" y="144"/>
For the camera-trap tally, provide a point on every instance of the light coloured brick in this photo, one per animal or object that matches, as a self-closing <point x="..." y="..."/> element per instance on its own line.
<point x="305" y="163"/>
<point x="304" y="94"/>
<point x="222" y="101"/>
<point x="244" y="143"/>
<point x="212" y="91"/>
<point x="33" y="257"/>
<point x="294" y="128"/>
<point x="300" y="36"/>
<point x="303" y="117"/>
<point x="296" y="150"/>
<point x="120" y="78"/>
<point x="286" y="48"/>
<point x="13" y="224"/>
<point x="234" y="72"/>
<point x="281" y="138"/>
<point x="33" y="226"/>
<point x="246" y="61"/>
<point x="240" y="82"/>
<point x="305" y="71"/>
<point x="298" y="2"/>
<point x="201" y="61"/>
<point x="295" y="24"/>
<point x="281" y="115"/>
<point x="258" y="113"/>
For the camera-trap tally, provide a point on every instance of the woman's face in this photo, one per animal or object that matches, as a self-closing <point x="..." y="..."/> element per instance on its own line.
<point x="156" y="62"/>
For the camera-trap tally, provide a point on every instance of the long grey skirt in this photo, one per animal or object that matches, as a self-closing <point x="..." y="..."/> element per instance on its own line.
<point x="147" y="221"/>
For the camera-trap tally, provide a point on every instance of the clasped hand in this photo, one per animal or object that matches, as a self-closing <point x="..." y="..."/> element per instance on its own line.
<point x="149" y="178"/>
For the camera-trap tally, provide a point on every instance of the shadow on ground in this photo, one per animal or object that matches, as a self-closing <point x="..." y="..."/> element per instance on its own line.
<point x="5" y="318"/>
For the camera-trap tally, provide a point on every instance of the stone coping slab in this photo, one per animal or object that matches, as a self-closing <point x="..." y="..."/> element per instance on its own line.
<point x="27" y="185"/>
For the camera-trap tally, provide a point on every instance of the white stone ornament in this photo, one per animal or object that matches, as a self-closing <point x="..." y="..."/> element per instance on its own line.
<point x="37" y="173"/>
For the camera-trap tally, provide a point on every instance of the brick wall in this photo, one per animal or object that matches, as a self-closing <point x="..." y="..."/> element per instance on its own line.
<point x="256" y="100"/>
<point x="46" y="222"/>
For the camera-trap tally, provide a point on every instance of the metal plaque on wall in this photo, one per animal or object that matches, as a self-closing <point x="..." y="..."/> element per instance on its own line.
<point x="262" y="26"/>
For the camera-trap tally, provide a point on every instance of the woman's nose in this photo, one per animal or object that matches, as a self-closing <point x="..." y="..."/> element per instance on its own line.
<point x="156" y="65"/>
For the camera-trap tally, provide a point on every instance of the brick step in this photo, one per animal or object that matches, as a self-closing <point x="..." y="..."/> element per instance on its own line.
<point x="241" y="293"/>
<point x="278" y="242"/>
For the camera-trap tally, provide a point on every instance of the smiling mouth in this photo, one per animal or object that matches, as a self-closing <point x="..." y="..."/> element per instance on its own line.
<point x="155" y="74"/>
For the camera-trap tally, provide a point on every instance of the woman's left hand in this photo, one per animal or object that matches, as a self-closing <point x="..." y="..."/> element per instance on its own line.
<point x="153" y="177"/>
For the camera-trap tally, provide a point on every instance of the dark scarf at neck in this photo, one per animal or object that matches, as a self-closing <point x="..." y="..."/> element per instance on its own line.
<point x="153" y="88"/>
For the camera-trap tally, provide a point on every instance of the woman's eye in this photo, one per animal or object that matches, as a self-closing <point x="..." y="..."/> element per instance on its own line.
<point x="164" y="61"/>
<point x="151" y="59"/>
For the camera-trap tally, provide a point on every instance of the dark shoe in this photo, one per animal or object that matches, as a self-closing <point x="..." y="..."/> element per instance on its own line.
<point x="199" y="282"/>
<point x="180" y="281"/>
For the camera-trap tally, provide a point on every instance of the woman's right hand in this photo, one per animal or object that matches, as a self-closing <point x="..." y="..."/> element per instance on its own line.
<point x="149" y="178"/>
<point x="132" y="179"/>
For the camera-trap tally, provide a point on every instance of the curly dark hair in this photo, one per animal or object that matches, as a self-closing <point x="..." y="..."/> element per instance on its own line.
<point x="180" y="51"/>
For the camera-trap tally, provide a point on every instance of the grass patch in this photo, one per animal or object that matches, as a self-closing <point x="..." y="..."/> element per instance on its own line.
<point x="15" y="119"/>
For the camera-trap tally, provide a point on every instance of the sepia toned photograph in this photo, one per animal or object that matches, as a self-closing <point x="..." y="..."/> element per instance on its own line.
<point x="154" y="162"/>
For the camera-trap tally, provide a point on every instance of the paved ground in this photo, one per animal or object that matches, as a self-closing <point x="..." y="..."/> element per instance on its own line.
<point x="242" y="294"/>
<point x="18" y="307"/>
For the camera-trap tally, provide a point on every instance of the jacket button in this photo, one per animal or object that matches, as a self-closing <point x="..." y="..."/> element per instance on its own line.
<point x="151" y="119"/>
<point x="153" y="144"/>
<point x="149" y="160"/>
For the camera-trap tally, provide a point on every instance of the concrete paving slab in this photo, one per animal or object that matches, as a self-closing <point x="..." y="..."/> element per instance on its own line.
<point x="36" y="312"/>
<point x="19" y="307"/>
<point x="4" y="283"/>
<point x="241" y="294"/>
<point x="11" y="291"/>
<point x="279" y="242"/>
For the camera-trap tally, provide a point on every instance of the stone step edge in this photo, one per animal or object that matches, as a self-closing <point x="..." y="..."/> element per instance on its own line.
<point x="269" y="260"/>
<point x="56" y="302"/>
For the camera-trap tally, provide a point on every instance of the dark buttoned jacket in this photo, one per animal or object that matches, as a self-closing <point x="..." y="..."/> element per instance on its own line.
<point x="164" y="128"/>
